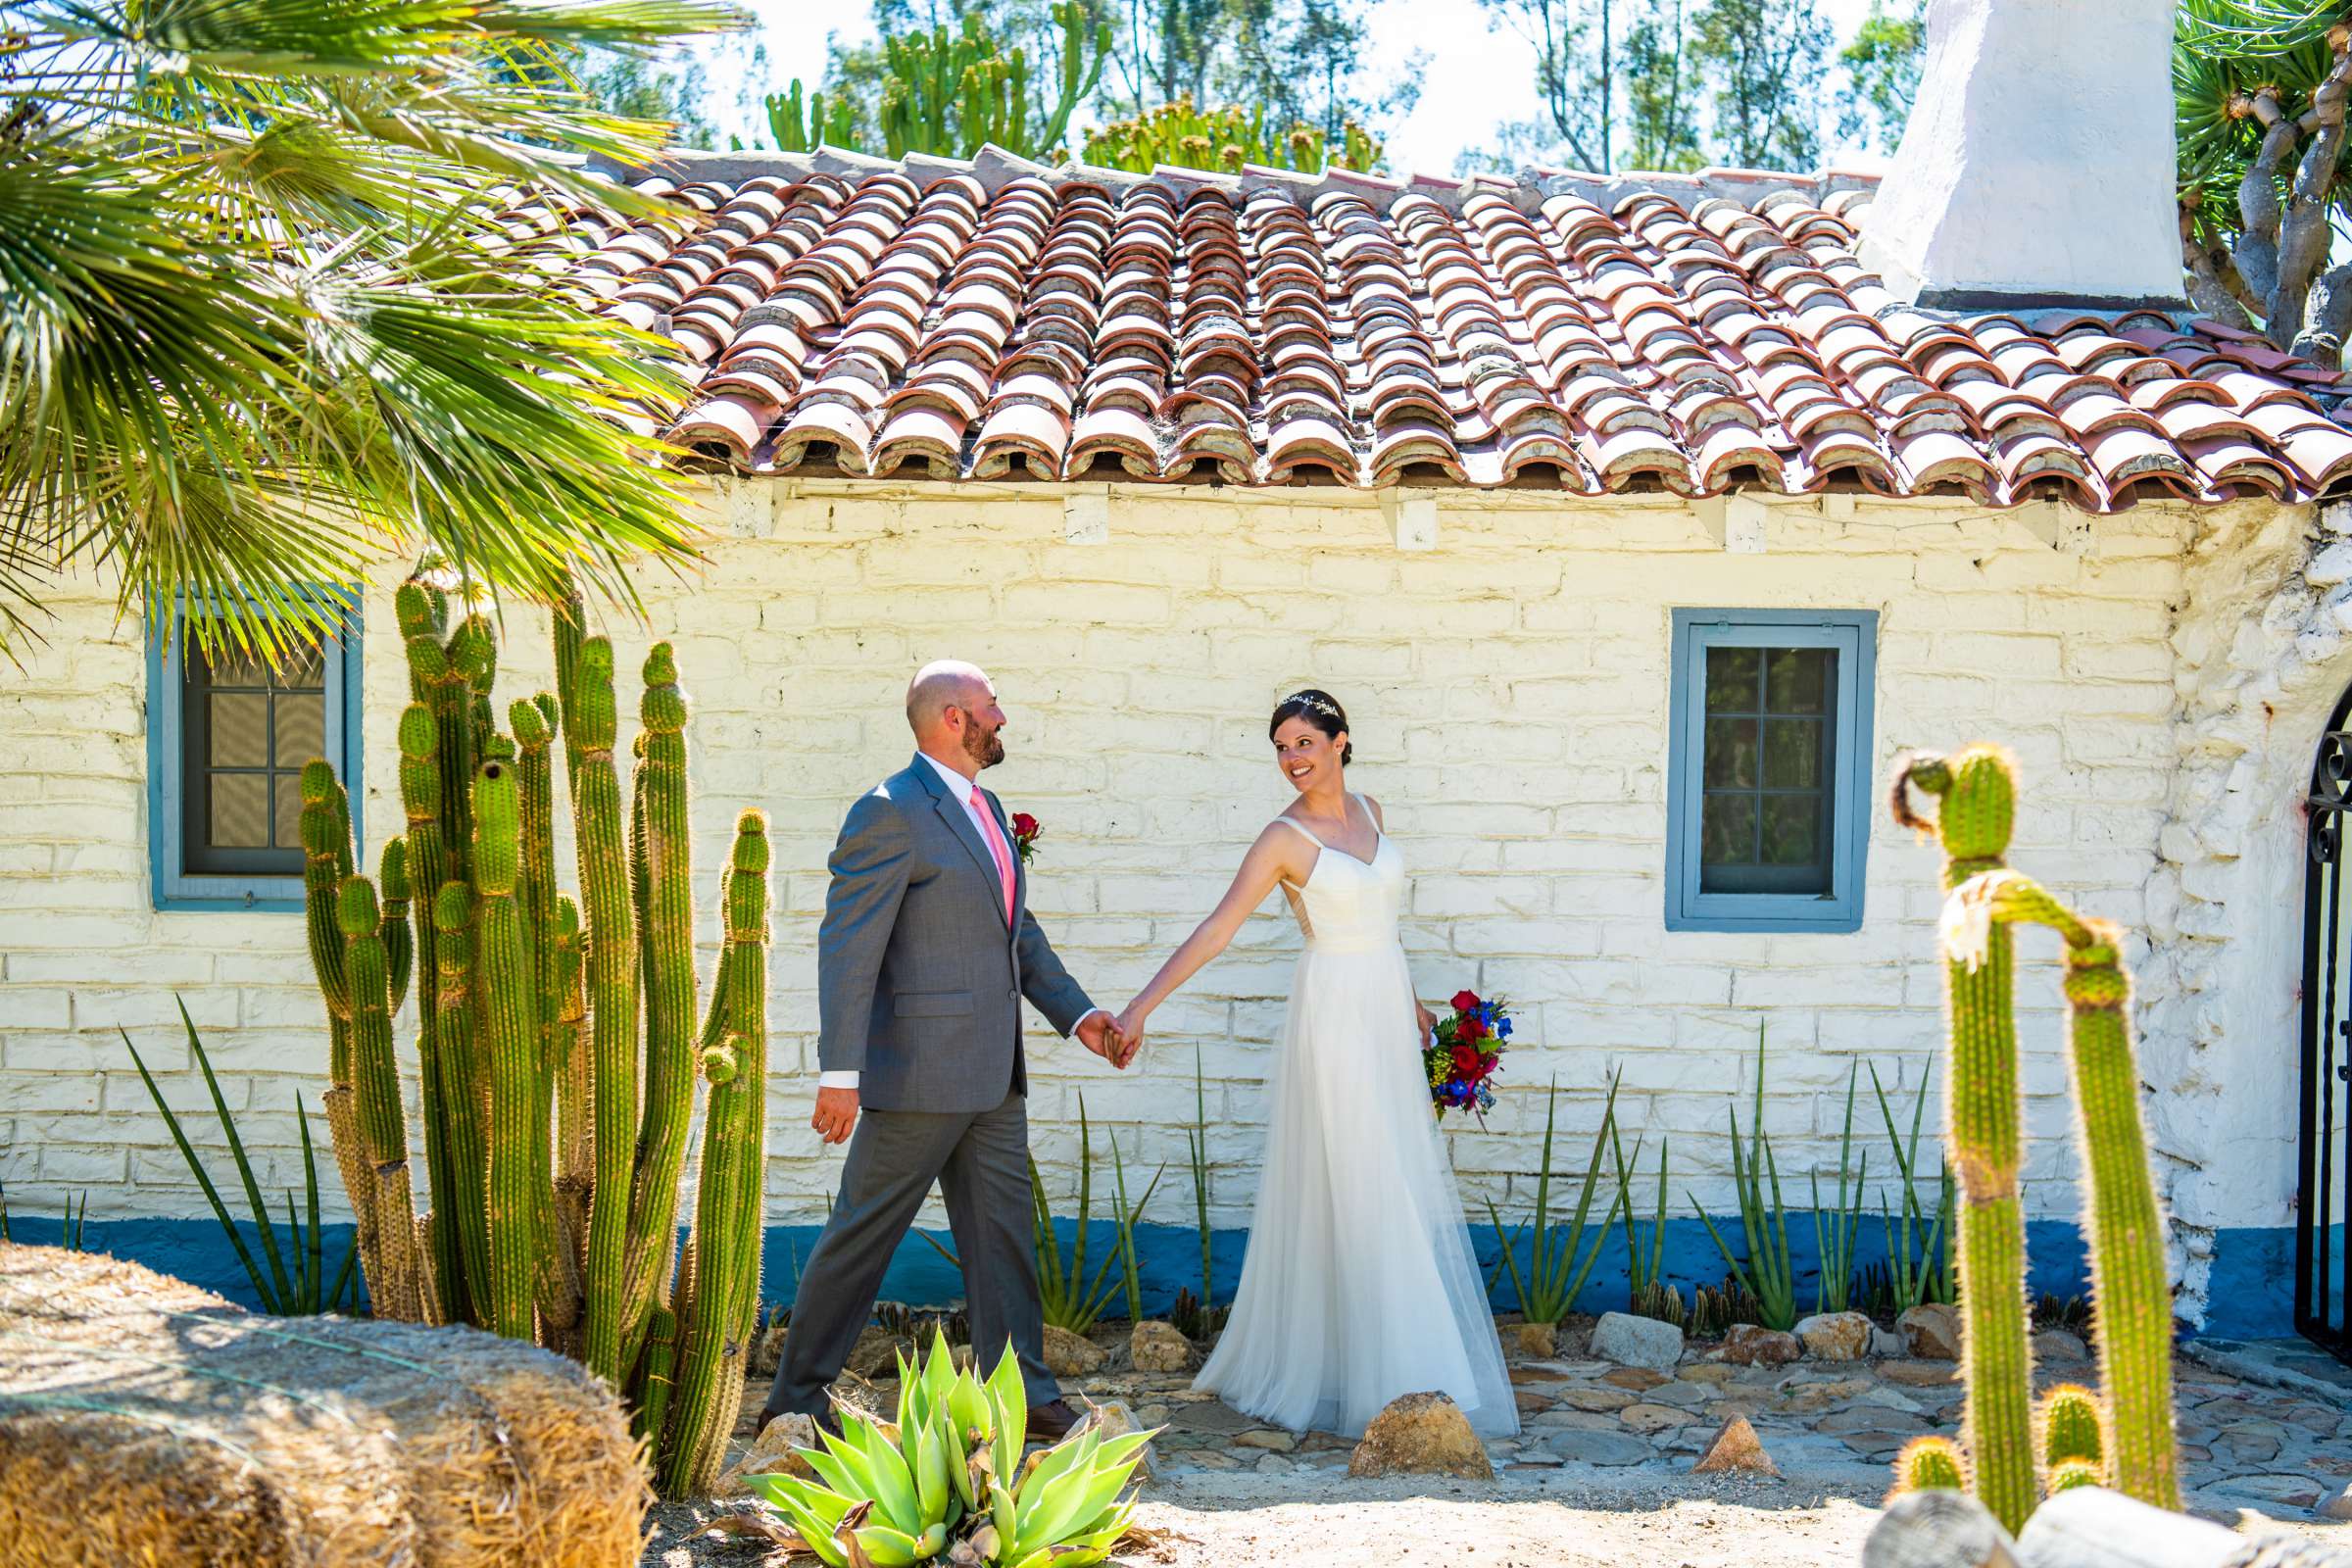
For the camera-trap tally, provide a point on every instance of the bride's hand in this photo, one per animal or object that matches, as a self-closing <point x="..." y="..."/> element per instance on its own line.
<point x="1130" y="1027"/>
<point x="1428" y="1021"/>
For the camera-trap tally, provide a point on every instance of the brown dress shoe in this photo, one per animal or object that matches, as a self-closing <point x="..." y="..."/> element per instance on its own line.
<point x="1051" y="1422"/>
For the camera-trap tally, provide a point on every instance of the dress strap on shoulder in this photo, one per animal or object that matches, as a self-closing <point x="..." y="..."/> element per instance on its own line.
<point x="1302" y="827"/>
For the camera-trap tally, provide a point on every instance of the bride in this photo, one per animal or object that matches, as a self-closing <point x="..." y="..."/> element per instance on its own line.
<point x="1358" y="1285"/>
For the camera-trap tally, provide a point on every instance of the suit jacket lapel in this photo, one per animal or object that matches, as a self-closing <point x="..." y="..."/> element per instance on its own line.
<point x="959" y="822"/>
<point x="1020" y="871"/>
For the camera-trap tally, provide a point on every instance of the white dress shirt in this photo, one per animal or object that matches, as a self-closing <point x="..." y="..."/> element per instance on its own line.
<point x="969" y="792"/>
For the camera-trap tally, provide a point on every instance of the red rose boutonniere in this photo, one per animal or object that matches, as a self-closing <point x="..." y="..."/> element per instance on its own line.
<point x="1025" y="834"/>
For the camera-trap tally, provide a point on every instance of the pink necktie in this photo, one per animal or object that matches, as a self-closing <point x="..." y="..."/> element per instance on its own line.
<point x="996" y="847"/>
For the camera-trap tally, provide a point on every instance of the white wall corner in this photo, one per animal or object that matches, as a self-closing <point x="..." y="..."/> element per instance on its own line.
<point x="1734" y="522"/>
<point x="2063" y="528"/>
<point x="1086" y="517"/>
<point x="1413" y="517"/>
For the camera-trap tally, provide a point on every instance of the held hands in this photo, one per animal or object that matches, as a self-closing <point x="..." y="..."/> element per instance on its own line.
<point x="1130" y="1029"/>
<point x="1428" y="1022"/>
<point x="1101" y="1034"/>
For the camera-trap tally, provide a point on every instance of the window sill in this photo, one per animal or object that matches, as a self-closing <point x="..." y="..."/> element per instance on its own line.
<point x="1827" y="917"/>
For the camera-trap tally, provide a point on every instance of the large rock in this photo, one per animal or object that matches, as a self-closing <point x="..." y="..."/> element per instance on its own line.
<point x="1421" y="1435"/>
<point x="1071" y="1355"/>
<point x="2059" y="1346"/>
<point x="876" y="1353"/>
<point x="1156" y="1347"/>
<point x="1834" y="1336"/>
<point x="1539" y="1342"/>
<point x="1631" y="1341"/>
<point x="1933" y="1331"/>
<point x="1749" y="1345"/>
<point x="2338" y="1506"/>
<point x="1736" y="1446"/>
<point x="774" y="1453"/>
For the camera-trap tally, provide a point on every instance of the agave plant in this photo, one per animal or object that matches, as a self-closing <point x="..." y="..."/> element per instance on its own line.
<point x="949" y="1469"/>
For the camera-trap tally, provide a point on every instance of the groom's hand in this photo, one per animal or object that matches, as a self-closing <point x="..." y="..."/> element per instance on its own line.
<point x="1097" y="1034"/>
<point x="836" y="1115"/>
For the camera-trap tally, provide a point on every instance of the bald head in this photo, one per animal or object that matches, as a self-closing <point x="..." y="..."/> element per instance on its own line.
<point x="951" y="707"/>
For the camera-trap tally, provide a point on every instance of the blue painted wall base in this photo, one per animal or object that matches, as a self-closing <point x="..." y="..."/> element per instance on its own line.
<point x="2248" y="1296"/>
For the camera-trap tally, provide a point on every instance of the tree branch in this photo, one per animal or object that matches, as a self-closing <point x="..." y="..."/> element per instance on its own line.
<point x="2303" y="231"/>
<point x="2258" y="206"/>
<point x="2215" y="287"/>
<point x="2322" y="340"/>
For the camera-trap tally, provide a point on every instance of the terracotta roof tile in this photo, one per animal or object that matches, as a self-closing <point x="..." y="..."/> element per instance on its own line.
<point x="930" y="319"/>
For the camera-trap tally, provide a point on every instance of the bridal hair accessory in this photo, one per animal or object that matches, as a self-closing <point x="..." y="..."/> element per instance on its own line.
<point x="1464" y="1051"/>
<point x="1025" y="833"/>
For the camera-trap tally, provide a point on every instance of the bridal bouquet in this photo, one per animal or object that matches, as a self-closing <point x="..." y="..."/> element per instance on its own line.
<point x="1464" y="1051"/>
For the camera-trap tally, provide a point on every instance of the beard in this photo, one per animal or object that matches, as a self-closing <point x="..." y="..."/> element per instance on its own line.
<point x="984" y="750"/>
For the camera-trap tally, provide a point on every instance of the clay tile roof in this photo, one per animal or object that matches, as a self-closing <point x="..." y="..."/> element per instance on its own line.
<point x="1691" y="334"/>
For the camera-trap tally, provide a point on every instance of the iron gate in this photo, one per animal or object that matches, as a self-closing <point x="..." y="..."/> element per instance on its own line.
<point x="2322" y="1262"/>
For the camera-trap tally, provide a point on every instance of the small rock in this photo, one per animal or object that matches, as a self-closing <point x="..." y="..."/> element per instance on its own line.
<point x="1642" y="1342"/>
<point x="1709" y="1372"/>
<point x="1640" y="1378"/>
<point x="1540" y="1341"/>
<point x="1070" y="1355"/>
<point x="773" y="1454"/>
<point x="1834" y="1336"/>
<point x="1157" y="1347"/>
<point x="767" y="1347"/>
<point x="1746" y="1345"/>
<point x="2058" y="1345"/>
<point x="1822" y="1396"/>
<point x="1421" y="1434"/>
<point x="2292" y="1492"/>
<point x="875" y="1352"/>
<point x="2338" y="1506"/>
<point x="1601" y="1447"/>
<point x="1113" y="1418"/>
<point x="1271" y="1440"/>
<point x="1887" y="1344"/>
<point x="1530" y="1403"/>
<point x="1921" y="1374"/>
<point x="1649" y="1418"/>
<point x="1933" y="1331"/>
<point x="1268" y="1463"/>
<point x="1736" y="1446"/>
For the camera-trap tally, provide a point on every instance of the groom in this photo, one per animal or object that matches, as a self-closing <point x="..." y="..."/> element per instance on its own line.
<point x="926" y="951"/>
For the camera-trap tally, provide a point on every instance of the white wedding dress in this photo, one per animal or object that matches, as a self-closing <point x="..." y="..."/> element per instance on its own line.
<point x="1359" y="1284"/>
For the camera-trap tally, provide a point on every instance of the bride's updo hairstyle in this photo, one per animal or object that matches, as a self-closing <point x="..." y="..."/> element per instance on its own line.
<point x="1320" y="709"/>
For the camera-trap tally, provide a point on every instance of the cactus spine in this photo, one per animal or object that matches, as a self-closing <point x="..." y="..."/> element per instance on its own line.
<point x="2071" y="1420"/>
<point x="1984" y="899"/>
<point x="554" y="1186"/>
<point x="1930" y="1463"/>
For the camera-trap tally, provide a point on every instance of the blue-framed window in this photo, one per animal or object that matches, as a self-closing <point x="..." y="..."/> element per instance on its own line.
<point x="227" y="739"/>
<point x="1768" y="768"/>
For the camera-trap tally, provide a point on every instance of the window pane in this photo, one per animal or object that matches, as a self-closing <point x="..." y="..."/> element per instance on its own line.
<point x="232" y="667"/>
<point x="1731" y="759"/>
<point x="1732" y="679"/>
<point x="239" y="725"/>
<point x="1792" y="752"/>
<point x="1791" y="829"/>
<point x="1796" y="680"/>
<point x="289" y="810"/>
<point x="301" y="728"/>
<point x="240" y="815"/>
<point x="303" y="667"/>
<point x="1727" y="831"/>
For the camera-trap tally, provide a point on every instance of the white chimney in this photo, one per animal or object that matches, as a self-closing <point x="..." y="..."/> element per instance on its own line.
<point x="2037" y="168"/>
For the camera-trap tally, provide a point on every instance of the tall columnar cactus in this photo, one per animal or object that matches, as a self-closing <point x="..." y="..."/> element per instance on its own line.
<point x="554" y="1182"/>
<point x="715" y="1331"/>
<point x="1977" y="794"/>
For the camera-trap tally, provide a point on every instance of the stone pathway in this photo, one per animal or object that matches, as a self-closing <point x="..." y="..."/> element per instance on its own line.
<point x="2266" y="1430"/>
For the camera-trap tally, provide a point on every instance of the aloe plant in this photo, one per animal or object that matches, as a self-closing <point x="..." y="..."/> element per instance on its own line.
<point x="1125" y="1218"/>
<point x="1765" y="1272"/>
<point x="1648" y="1293"/>
<point x="70" y="1226"/>
<point x="1559" y="1262"/>
<point x="950" y="1468"/>
<point x="1205" y="1317"/>
<point x="1833" y="1244"/>
<point x="304" y="1291"/>
<point x="1913" y="1274"/>
<point x="1072" y="1301"/>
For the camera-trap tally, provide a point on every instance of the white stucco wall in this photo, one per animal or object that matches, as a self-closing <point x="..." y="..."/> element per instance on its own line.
<point x="1509" y="693"/>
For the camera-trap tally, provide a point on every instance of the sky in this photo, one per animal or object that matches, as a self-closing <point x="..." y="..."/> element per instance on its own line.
<point x="1478" y="76"/>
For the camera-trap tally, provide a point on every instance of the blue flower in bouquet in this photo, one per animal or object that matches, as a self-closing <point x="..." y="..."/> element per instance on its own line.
<point x="1502" y="1030"/>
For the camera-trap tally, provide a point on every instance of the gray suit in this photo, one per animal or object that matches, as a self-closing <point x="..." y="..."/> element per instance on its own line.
<point x="920" y="978"/>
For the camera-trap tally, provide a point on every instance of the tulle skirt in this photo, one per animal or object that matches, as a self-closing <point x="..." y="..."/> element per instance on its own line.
<point x="1360" y="1285"/>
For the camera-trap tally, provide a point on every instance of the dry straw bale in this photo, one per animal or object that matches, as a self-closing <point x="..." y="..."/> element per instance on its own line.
<point x="143" y="1421"/>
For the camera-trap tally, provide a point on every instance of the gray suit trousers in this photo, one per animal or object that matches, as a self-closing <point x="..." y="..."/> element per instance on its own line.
<point x="981" y="1162"/>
